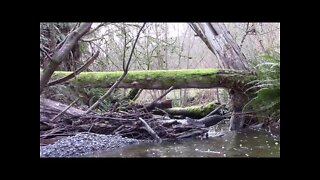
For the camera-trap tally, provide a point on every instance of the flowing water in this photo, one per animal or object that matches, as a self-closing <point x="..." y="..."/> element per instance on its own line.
<point x="247" y="143"/>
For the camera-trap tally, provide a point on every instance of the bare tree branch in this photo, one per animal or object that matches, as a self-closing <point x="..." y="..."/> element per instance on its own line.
<point x="55" y="117"/>
<point x="46" y="53"/>
<point x="137" y="95"/>
<point x="204" y="39"/>
<point x="244" y="37"/>
<point x="72" y="38"/>
<point x="134" y="45"/>
<point x="93" y="39"/>
<point x="76" y="72"/>
<point x="61" y="54"/>
<point x="215" y="110"/>
<point x="150" y="130"/>
<point x="104" y="51"/>
<point x="160" y="97"/>
<point x="96" y="28"/>
<point x="124" y="49"/>
<point x="99" y="38"/>
<point x="120" y="78"/>
<point x="61" y="43"/>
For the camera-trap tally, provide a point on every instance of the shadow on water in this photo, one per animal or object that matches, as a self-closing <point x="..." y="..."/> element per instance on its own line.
<point x="248" y="143"/>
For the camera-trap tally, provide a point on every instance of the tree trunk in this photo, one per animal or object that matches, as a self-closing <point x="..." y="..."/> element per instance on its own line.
<point x="61" y="54"/>
<point x="238" y="100"/>
<point x="221" y="43"/>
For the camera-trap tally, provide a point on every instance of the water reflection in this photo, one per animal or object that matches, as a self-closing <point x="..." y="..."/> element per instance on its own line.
<point x="249" y="143"/>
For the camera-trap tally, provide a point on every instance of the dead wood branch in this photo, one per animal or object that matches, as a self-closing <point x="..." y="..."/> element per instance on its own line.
<point x="76" y="72"/>
<point x="160" y="97"/>
<point x="121" y="123"/>
<point x="137" y="95"/>
<point x="64" y="110"/>
<point x="150" y="131"/>
<point x="215" y="110"/>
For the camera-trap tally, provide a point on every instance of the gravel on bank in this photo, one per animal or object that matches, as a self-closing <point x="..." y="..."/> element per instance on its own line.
<point x="85" y="143"/>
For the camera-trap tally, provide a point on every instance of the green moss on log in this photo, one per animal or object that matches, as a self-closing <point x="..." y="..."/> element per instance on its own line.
<point x="192" y="111"/>
<point x="157" y="79"/>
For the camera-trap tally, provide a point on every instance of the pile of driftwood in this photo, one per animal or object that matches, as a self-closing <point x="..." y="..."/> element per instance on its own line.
<point x="135" y="122"/>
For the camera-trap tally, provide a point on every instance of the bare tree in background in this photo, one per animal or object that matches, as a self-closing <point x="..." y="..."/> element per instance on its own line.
<point x="125" y="67"/>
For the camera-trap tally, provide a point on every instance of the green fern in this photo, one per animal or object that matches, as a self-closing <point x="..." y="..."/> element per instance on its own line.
<point x="266" y="86"/>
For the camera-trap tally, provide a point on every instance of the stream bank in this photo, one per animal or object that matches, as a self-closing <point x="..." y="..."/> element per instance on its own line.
<point x="84" y="143"/>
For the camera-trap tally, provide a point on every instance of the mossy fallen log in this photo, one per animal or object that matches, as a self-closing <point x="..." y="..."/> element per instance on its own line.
<point x="196" y="112"/>
<point x="164" y="79"/>
<point x="160" y="79"/>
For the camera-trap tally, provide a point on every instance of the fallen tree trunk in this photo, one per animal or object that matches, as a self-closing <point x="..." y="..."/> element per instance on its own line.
<point x="161" y="79"/>
<point x="195" y="112"/>
<point x="207" y="121"/>
<point x="164" y="79"/>
<point x="49" y="109"/>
